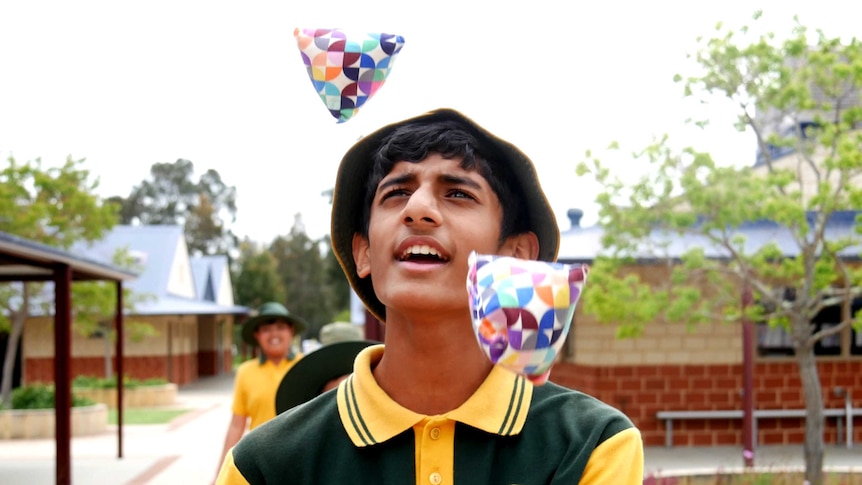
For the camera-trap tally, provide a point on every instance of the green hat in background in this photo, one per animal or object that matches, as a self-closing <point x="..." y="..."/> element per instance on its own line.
<point x="304" y="381"/>
<point x="339" y="332"/>
<point x="269" y="312"/>
<point x="348" y="196"/>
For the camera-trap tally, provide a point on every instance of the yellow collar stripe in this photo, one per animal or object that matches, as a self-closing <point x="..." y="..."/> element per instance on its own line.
<point x="369" y="416"/>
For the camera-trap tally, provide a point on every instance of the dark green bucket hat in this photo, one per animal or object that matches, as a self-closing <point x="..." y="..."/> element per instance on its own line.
<point x="348" y="196"/>
<point x="267" y="312"/>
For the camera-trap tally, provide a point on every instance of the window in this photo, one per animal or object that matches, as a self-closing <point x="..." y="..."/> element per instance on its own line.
<point x="777" y="341"/>
<point x="856" y="343"/>
<point x="773" y="341"/>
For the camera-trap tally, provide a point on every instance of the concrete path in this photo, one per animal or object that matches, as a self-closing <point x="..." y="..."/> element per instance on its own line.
<point x="186" y="451"/>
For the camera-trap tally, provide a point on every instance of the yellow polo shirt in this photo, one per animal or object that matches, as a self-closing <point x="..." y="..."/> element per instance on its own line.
<point x="255" y="386"/>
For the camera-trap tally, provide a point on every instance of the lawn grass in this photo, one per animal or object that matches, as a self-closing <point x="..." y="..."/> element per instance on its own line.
<point x="146" y="415"/>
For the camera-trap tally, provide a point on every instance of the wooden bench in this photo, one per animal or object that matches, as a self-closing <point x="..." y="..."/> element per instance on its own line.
<point x="839" y="413"/>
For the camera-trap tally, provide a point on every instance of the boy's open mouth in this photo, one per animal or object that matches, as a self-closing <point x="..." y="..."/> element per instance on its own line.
<point x="422" y="254"/>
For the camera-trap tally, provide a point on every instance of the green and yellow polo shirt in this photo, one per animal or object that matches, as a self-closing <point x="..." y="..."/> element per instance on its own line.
<point x="508" y="432"/>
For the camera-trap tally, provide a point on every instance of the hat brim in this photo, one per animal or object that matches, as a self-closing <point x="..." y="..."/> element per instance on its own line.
<point x="252" y="323"/>
<point x="349" y="192"/>
<point x="306" y="378"/>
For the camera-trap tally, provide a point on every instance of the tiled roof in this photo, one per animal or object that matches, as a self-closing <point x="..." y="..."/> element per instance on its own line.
<point x="154" y="248"/>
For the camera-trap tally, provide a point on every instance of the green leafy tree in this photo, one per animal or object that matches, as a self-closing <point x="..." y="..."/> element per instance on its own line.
<point x="800" y="98"/>
<point x="300" y="263"/>
<point x="336" y="282"/>
<point x="56" y="206"/>
<point x="205" y="231"/>
<point x="257" y="281"/>
<point x="204" y="208"/>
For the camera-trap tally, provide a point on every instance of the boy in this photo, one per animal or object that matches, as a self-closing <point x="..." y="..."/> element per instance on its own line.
<point x="272" y="329"/>
<point x="411" y="201"/>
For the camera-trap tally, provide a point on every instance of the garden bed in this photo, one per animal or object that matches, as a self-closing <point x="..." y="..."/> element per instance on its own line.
<point x="136" y="397"/>
<point x="41" y="423"/>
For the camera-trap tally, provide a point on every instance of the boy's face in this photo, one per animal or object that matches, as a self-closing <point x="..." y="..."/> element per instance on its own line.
<point x="425" y="220"/>
<point x="274" y="338"/>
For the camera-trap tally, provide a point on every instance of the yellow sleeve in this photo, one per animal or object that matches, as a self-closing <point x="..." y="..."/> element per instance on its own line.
<point x="618" y="461"/>
<point x="229" y="475"/>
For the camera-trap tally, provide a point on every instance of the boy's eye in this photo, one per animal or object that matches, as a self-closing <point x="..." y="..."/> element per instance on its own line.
<point x="460" y="194"/>
<point x="395" y="192"/>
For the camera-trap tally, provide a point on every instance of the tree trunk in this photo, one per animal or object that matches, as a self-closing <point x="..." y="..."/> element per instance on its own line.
<point x="814" y="414"/>
<point x="17" y="320"/>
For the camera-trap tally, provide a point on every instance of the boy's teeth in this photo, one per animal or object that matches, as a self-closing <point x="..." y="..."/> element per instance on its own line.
<point x="425" y="249"/>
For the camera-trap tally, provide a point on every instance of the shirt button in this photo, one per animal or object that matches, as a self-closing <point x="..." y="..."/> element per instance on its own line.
<point x="435" y="433"/>
<point x="435" y="478"/>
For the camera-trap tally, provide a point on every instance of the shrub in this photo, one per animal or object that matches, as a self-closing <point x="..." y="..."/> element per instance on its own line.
<point x="41" y="396"/>
<point x="111" y="382"/>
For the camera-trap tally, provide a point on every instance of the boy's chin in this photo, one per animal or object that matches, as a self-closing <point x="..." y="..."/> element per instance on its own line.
<point x="422" y="309"/>
<point x="275" y="352"/>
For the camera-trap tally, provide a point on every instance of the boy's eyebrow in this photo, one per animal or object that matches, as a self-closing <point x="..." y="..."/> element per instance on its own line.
<point x="448" y="179"/>
<point x="401" y="179"/>
<point x="458" y="180"/>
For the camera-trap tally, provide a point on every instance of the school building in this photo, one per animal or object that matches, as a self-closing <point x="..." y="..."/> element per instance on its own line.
<point x="185" y="302"/>
<point x="672" y="367"/>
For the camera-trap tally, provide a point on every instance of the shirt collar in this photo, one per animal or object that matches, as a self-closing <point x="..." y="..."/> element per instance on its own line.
<point x="499" y="406"/>
<point x="261" y="359"/>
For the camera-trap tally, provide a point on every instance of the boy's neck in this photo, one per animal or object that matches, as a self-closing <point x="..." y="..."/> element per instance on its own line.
<point x="431" y="368"/>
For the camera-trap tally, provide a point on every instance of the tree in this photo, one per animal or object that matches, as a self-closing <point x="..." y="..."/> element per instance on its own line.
<point x="801" y="101"/>
<point x="257" y="281"/>
<point x="205" y="231"/>
<point x="337" y="283"/>
<point x="53" y="206"/>
<point x="296" y="270"/>
<point x="301" y="267"/>
<point x="216" y="207"/>
<point x="171" y="196"/>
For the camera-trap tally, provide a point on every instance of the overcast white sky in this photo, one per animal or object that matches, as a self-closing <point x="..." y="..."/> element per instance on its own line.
<point x="125" y="85"/>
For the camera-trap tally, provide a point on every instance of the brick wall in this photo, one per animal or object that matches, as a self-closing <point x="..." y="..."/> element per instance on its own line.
<point x="183" y="368"/>
<point x="41" y="369"/>
<point x="180" y="349"/>
<point x="642" y="391"/>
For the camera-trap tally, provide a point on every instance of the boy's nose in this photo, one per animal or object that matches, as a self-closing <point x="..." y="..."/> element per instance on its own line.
<point x="422" y="208"/>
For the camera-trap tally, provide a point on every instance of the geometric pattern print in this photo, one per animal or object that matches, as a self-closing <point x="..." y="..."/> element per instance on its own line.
<point x="522" y="309"/>
<point x="347" y="71"/>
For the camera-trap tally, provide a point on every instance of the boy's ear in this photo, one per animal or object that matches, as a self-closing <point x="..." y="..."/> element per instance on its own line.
<point x="360" y="255"/>
<point x="522" y="246"/>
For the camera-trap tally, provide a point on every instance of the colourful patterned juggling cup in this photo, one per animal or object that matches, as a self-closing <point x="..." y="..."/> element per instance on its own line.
<point x="346" y="69"/>
<point x="522" y="309"/>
